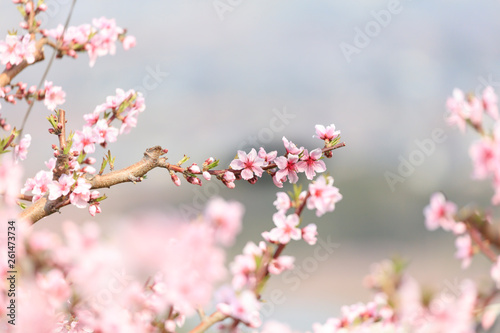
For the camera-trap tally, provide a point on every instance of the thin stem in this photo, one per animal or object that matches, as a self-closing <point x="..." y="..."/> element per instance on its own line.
<point x="51" y="60"/>
<point x="61" y="119"/>
<point x="212" y="319"/>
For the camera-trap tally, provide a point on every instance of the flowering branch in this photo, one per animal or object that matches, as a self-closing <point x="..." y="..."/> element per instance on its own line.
<point x="9" y="73"/>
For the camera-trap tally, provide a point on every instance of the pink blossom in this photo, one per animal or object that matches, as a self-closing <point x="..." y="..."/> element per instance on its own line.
<point x="485" y="156"/>
<point x="286" y="228"/>
<point x="21" y="149"/>
<point x="229" y="179"/>
<point x="103" y="42"/>
<point x="129" y="122"/>
<point x="40" y="184"/>
<point x="287" y="168"/>
<point x="60" y="187"/>
<point x="282" y="202"/>
<point x="490" y="102"/>
<point x="85" y="140"/>
<point x="91" y="118"/>
<point x="15" y="49"/>
<point x="439" y="213"/>
<point x="329" y="133"/>
<point x="81" y="193"/>
<point x="323" y="196"/>
<point x="475" y="111"/>
<point x="458" y="107"/>
<point x="226" y="219"/>
<point x="310" y="163"/>
<point x="199" y="264"/>
<point x="244" y="306"/>
<point x="10" y="180"/>
<point x="249" y="164"/>
<point x="95" y="208"/>
<point x="310" y="233"/>
<point x="457" y="314"/>
<point x="51" y="163"/>
<point x="243" y="269"/>
<point x="464" y="250"/>
<point x="291" y="148"/>
<point x="54" y="96"/>
<point x="129" y="42"/>
<point x="207" y="175"/>
<point x="55" y="286"/>
<point x="267" y="157"/>
<point x="281" y="264"/>
<point x="104" y="132"/>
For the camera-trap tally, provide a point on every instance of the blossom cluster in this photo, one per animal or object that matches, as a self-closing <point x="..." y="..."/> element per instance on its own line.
<point x="51" y="95"/>
<point x="485" y="153"/>
<point x="282" y="168"/>
<point x="81" y="283"/>
<point x="14" y="49"/>
<point x="98" y="39"/>
<point x="71" y="183"/>
<point x="249" y="269"/>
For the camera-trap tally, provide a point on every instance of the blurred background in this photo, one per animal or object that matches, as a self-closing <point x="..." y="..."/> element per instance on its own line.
<point x="217" y="74"/>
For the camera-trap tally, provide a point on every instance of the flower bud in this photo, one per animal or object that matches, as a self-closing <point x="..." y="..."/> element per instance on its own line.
<point x="175" y="179"/>
<point x="194" y="168"/>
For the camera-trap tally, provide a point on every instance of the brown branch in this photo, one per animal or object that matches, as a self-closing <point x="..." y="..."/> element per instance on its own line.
<point x="8" y="74"/>
<point x="61" y="119"/>
<point x="134" y="173"/>
<point x="489" y="232"/>
<point x="212" y="319"/>
<point x="483" y="246"/>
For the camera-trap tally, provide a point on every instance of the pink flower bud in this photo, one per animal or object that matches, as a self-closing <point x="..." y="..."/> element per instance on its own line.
<point x="194" y="168"/>
<point x="32" y="89"/>
<point x="193" y="180"/>
<point x="90" y="160"/>
<point x="175" y="179"/>
<point x="207" y="175"/>
<point x="29" y="7"/>
<point x="42" y="7"/>
<point x="94" y="209"/>
<point x="209" y="161"/>
<point x="94" y="195"/>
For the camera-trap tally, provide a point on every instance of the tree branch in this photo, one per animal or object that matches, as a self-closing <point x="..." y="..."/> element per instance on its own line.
<point x="134" y="173"/>
<point x="205" y="324"/>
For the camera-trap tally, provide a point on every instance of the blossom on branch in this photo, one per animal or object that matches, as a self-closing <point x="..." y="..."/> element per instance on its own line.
<point x="21" y="149"/>
<point x="323" y="195"/>
<point x="54" y="96"/>
<point x="15" y="49"/>
<point x="440" y="213"/>
<point x="329" y="133"/>
<point x="81" y="193"/>
<point x="310" y="163"/>
<point x="60" y="187"/>
<point x="249" y="164"/>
